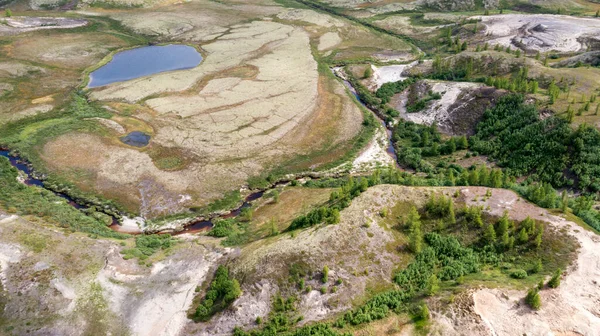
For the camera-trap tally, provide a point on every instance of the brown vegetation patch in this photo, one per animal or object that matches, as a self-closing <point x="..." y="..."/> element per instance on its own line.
<point x="64" y="50"/>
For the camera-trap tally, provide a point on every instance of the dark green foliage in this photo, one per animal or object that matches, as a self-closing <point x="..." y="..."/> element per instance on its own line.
<point x="513" y="134"/>
<point x="439" y="206"/>
<point x="230" y="200"/>
<point x="586" y="157"/>
<point x="223" y="290"/>
<point x="542" y="194"/>
<point x="26" y="200"/>
<point x="387" y="90"/>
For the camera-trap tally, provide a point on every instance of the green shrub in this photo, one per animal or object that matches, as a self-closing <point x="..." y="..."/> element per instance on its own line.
<point x="223" y="290"/>
<point x="518" y="274"/>
<point x="554" y="282"/>
<point x="533" y="299"/>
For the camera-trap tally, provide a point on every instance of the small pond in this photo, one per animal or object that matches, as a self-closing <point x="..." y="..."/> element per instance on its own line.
<point x="144" y="61"/>
<point x="136" y="138"/>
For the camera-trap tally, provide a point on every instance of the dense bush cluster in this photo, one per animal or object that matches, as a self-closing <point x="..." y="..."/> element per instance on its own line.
<point x="223" y="290"/>
<point x="388" y="90"/>
<point x="548" y="150"/>
<point x="147" y="245"/>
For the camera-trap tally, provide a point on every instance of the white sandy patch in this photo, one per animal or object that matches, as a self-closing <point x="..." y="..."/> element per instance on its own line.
<point x="156" y="302"/>
<point x="540" y="32"/>
<point x="9" y="254"/>
<point x="375" y="155"/>
<point x="20" y="24"/>
<point x="131" y="225"/>
<point x="166" y="314"/>
<point x="388" y="74"/>
<point x="438" y="110"/>
<point x="329" y="40"/>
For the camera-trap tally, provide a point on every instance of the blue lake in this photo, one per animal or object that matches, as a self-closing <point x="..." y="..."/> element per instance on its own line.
<point x="144" y="61"/>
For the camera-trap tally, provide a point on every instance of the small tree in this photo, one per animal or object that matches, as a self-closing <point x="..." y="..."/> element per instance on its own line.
<point x="8" y="13"/>
<point x="555" y="280"/>
<point x="564" y="204"/>
<point x="273" y="227"/>
<point x="490" y="234"/>
<point x="275" y="196"/>
<point x="537" y="266"/>
<point x="325" y="274"/>
<point x="246" y="214"/>
<point x="423" y="313"/>
<point x="523" y="236"/>
<point x="368" y="72"/>
<point x="451" y="215"/>
<point x="533" y="299"/>
<point x="416" y="236"/>
<point x="538" y="240"/>
<point x="432" y="285"/>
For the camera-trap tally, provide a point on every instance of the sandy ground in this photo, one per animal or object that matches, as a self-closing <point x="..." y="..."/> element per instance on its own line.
<point x="129" y="298"/>
<point x="438" y="111"/>
<point x="570" y="309"/>
<point x="329" y="40"/>
<point x="541" y="32"/>
<point x="22" y="24"/>
<point x="375" y="155"/>
<point x="388" y="74"/>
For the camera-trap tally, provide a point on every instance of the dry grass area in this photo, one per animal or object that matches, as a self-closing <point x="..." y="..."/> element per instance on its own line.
<point x="293" y="202"/>
<point x="42" y="67"/>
